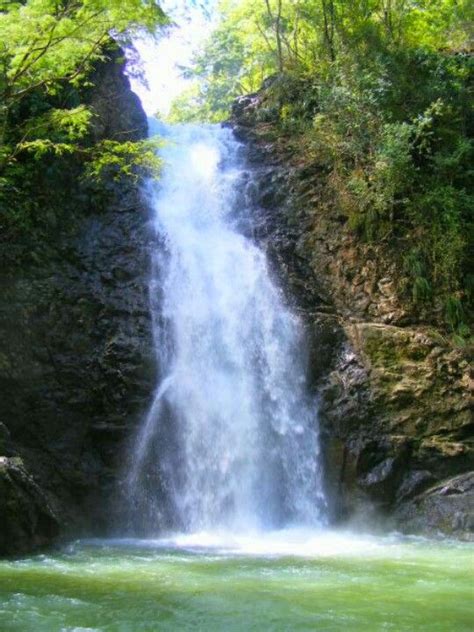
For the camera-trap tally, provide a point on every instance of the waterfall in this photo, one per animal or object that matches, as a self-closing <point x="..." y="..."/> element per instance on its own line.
<point x="231" y="439"/>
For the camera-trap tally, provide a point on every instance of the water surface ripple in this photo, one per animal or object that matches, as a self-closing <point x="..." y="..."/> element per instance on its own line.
<point x="324" y="581"/>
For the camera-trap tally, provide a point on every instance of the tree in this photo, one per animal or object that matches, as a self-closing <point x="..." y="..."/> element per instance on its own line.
<point x="275" y="16"/>
<point x="47" y="44"/>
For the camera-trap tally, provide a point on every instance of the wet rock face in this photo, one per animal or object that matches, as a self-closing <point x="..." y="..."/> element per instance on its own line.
<point x="76" y="353"/>
<point x="447" y="507"/>
<point x="394" y="396"/>
<point x="120" y="114"/>
<point x="28" y="519"/>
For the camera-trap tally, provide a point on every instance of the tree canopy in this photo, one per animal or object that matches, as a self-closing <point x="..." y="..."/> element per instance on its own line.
<point x="254" y="40"/>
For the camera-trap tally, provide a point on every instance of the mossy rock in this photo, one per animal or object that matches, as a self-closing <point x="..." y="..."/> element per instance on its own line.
<point x="391" y="347"/>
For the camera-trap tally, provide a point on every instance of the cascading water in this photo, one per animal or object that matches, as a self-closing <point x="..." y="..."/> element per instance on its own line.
<point x="230" y="441"/>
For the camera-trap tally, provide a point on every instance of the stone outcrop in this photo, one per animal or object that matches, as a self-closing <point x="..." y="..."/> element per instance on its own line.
<point x="76" y="356"/>
<point x="395" y="402"/>
<point x="28" y="519"/>
<point x="446" y="506"/>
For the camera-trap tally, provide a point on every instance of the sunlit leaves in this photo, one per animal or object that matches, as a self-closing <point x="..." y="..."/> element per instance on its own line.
<point x="118" y="160"/>
<point x="45" y="41"/>
<point x="243" y="49"/>
<point x="47" y="44"/>
<point x="49" y="50"/>
<point x="69" y="124"/>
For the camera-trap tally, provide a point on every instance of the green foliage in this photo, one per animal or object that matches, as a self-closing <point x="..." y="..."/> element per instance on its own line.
<point x="45" y="42"/>
<point x="415" y="268"/>
<point x="233" y="62"/>
<point x="70" y="124"/>
<point x="255" y="39"/>
<point x="402" y="174"/>
<point x="119" y="160"/>
<point x="46" y="45"/>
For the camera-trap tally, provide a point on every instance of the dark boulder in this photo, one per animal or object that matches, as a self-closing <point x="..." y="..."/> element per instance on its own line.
<point x="27" y="517"/>
<point x="447" y="507"/>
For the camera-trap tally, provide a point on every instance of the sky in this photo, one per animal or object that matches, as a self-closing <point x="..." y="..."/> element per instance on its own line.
<point x="162" y="57"/>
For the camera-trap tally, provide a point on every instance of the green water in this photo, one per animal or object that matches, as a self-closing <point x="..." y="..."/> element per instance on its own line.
<point x="326" y="582"/>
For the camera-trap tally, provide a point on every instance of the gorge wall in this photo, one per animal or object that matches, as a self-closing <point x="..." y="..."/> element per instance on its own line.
<point x="394" y="394"/>
<point x="76" y="359"/>
<point x="77" y="362"/>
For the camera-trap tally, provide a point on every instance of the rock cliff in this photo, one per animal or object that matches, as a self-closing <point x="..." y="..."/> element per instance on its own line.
<point x="76" y="359"/>
<point x="394" y="394"/>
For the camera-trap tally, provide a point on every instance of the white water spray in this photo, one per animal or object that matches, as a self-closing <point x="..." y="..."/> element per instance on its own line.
<point x="230" y="441"/>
